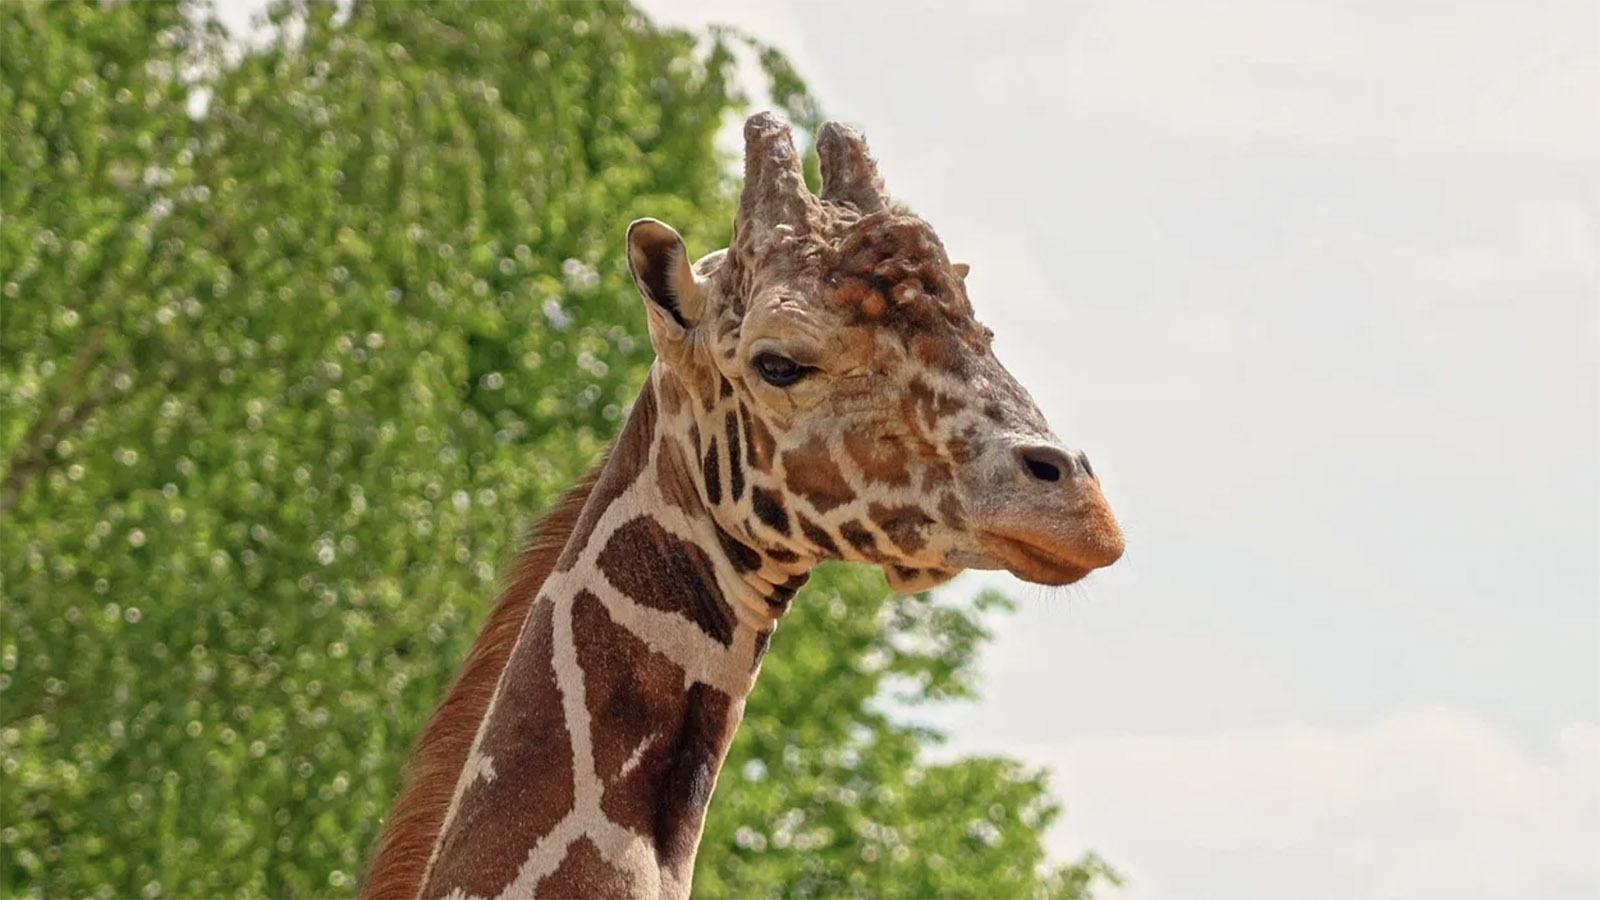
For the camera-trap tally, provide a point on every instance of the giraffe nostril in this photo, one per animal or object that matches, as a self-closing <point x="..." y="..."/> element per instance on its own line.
<point x="1049" y="463"/>
<point x="1042" y="463"/>
<point x="1042" y="470"/>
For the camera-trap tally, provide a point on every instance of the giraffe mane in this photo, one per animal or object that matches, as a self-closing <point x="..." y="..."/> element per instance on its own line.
<point x="401" y="862"/>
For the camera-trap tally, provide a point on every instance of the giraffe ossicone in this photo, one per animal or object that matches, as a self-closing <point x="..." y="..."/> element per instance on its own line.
<point x="822" y="390"/>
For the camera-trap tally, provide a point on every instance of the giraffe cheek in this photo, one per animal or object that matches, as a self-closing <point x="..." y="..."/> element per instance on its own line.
<point x="811" y="472"/>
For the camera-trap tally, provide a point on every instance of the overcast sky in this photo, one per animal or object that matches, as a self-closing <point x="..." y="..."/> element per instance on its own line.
<point x="1317" y="287"/>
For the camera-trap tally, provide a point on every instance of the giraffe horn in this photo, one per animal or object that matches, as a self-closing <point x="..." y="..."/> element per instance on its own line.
<point x="775" y="192"/>
<point x="849" y="173"/>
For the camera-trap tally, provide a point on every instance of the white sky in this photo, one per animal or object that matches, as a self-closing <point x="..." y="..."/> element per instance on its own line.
<point x="1317" y="286"/>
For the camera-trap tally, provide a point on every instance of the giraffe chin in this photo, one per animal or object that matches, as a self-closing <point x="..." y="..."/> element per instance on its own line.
<point x="1030" y="562"/>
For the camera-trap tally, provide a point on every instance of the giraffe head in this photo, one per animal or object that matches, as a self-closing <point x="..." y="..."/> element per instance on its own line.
<point x="838" y="396"/>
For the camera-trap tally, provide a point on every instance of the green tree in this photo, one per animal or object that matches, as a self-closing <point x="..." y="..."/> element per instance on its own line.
<point x="283" y="385"/>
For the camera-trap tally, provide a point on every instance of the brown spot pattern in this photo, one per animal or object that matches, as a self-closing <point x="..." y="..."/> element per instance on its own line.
<point x="712" y="470"/>
<point x="763" y="638"/>
<point x="672" y="397"/>
<point x="769" y="509"/>
<point x="782" y="593"/>
<point x="881" y="460"/>
<point x="966" y="447"/>
<point x="925" y="406"/>
<point x="673" y="478"/>
<point x="662" y="571"/>
<point x="685" y="788"/>
<point x="628" y="458"/>
<point x="818" y="537"/>
<point x="527" y="739"/>
<point x="735" y="468"/>
<point x="584" y="873"/>
<point x="742" y="555"/>
<point x="417" y="818"/>
<point x="782" y="555"/>
<point x="706" y="392"/>
<point x="634" y="695"/>
<point x="862" y="540"/>
<point x="811" y="472"/>
<point x="902" y="524"/>
<point x="952" y="512"/>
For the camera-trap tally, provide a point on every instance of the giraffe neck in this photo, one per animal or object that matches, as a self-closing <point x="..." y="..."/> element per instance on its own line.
<point x="594" y="762"/>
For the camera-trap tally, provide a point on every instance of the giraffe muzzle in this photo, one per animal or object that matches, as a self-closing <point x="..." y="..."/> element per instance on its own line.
<point x="1052" y="527"/>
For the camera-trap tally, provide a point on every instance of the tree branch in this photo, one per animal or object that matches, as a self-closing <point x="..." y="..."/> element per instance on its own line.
<point x="59" y="415"/>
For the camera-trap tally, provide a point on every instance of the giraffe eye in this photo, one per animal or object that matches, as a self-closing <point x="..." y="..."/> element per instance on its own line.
<point x="778" y="371"/>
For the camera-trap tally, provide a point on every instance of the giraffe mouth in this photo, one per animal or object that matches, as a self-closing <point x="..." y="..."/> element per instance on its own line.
<point x="1031" y="562"/>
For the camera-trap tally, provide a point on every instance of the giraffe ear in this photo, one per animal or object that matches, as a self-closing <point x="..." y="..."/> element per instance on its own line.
<point x="660" y="266"/>
<point x="961" y="270"/>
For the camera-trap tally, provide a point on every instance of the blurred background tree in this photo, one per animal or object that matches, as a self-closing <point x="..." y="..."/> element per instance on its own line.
<point x="294" y="344"/>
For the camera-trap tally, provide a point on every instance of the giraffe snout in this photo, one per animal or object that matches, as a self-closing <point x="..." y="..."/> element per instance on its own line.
<point x="1050" y="523"/>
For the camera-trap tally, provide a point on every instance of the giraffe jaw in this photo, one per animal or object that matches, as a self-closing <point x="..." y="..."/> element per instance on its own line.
<point x="1024" y="559"/>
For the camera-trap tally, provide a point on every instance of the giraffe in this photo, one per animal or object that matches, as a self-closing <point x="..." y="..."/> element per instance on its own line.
<point x="821" y="391"/>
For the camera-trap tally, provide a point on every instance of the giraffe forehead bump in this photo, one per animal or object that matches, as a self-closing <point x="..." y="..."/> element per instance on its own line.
<point x="887" y="270"/>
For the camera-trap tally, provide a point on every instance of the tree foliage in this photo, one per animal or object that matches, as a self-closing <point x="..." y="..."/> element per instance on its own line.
<point x="284" y="383"/>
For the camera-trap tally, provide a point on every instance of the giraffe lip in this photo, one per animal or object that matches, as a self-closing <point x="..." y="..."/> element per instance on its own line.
<point x="1031" y="562"/>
